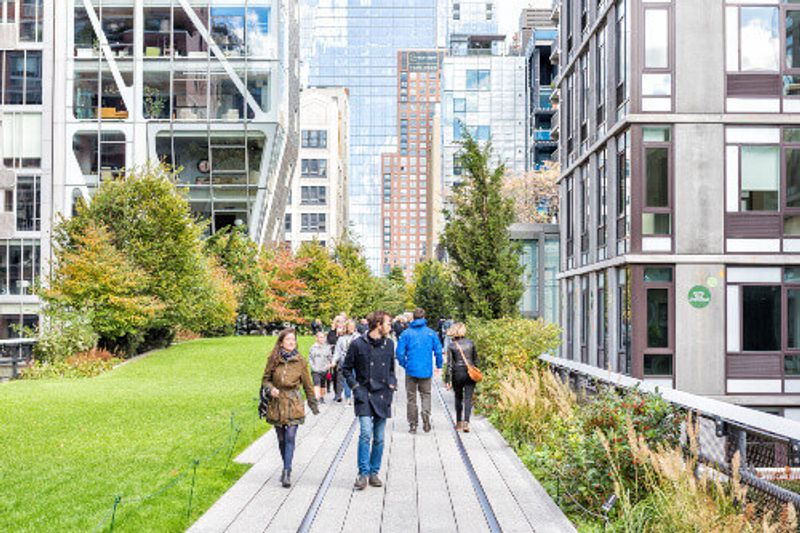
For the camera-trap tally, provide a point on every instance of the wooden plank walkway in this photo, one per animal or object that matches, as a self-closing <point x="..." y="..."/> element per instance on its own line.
<point x="427" y="485"/>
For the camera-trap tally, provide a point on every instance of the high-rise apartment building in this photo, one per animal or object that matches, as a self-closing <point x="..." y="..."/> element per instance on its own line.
<point x="355" y="45"/>
<point x="539" y="37"/>
<point x="678" y="139"/>
<point x="484" y="94"/>
<point x="467" y="18"/>
<point x="94" y="87"/>
<point x="26" y="167"/>
<point x="407" y="202"/>
<point x="317" y="209"/>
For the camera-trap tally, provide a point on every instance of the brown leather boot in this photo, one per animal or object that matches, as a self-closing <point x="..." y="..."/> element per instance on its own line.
<point x="465" y="427"/>
<point x="459" y="425"/>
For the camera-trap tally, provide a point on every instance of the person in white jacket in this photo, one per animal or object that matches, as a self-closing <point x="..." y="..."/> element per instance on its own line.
<point x="338" y="358"/>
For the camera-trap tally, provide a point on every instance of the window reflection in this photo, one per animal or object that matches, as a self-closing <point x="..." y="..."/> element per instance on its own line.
<point x="759" y="45"/>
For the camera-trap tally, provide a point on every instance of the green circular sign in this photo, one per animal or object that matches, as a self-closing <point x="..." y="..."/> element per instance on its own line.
<point x="699" y="296"/>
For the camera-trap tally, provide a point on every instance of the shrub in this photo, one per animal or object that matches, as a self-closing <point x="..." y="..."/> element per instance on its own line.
<point x="64" y="334"/>
<point x="81" y="365"/>
<point x="506" y="345"/>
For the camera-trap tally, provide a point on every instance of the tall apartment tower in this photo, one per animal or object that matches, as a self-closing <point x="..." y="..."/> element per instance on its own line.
<point x="679" y="142"/>
<point x="92" y="88"/>
<point x="538" y="34"/>
<point x="407" y="203"/>
<point x="26" y="167"/>
<point x="317" y="207"/>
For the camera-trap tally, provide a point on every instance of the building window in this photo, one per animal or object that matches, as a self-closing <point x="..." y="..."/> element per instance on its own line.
<point x="657" y="212"/>
<point x="457" y="168"/>
<point x="22" y="140"/>
<point x="621" y="38"/>
<point x="570" y="223"/>
<point x="656" y="73"/>
<point x="570" y="318"/>
<point x="760" y="178"/>
<point x="585" y="326"/>
<point x="29" y="201"/>
<point x="313" y="195"/>
<point x="489" y="11"/>
<point x="459" y="105"/>
<point x="315" y="139"/>
<point x="624" y="314"/>
<point x="758" y="41"/>
<point x="602" y="320"/>
<point x="761" y="318"/>
<point x="585" y="211"/>
<point x="31" y="20"/>
<point x="584" y="98"/>
<point x="287" y="222"/>
<point x="314" y="168"/>
<point x="602" y="200"/>
<point x="623" y="192"/>
<point x="600" y="63"/>
<point x="19" y="266"/>
<point x="479" y="80"/>
<point x="312" y="222"/>
<point x="22" y="77"/>
<point x="456" y="11"/>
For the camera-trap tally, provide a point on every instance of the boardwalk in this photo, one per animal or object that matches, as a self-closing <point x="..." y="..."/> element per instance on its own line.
<point x="428" y="484"/>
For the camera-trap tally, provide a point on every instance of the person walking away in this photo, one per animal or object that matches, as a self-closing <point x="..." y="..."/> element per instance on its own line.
<point x="319" y="359"/>
<point x="399" y="325"/>
<point x="285" y="373"/>
<point x="339" y="353"/>
<point x="417" y="347"/>
<point x="336" y="331"/>
<point x="369" y="370"/>
<point x="461" y="352"/>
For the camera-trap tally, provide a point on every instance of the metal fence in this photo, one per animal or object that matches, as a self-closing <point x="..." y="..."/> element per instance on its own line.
<point x="13" y="354"/>
<point x="768" y="445"/>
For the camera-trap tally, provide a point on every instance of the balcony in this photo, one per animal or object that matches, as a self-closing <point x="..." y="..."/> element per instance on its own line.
<point x="544" y="103"/>
<point x="542" y="135"/>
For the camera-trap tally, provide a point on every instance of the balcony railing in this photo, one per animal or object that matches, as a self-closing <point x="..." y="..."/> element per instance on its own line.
<point x="543" y="135"/>
<point x="544" y="98"/>
<point x="768" y="445"/>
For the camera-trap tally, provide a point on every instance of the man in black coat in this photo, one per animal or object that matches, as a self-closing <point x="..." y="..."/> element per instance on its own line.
<point x="369" y="370"/>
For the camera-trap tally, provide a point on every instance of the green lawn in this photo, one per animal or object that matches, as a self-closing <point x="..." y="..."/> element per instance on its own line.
<point x="70" y="446"/>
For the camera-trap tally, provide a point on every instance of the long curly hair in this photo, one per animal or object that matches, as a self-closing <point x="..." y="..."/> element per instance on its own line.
<point x="275" y="355"/>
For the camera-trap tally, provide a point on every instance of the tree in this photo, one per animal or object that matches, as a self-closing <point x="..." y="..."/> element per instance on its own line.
<point x="433" y="290"/>
<point x="285" y="289"/>
<point x="326" y="281"/>
<point x="241" y="258"/>
<point x="363" y="288"/>
<point x="150" y="223"/>
<point x="95" y="279"/>
<point x="535" y="194"/>
<point x="486" y="264"/>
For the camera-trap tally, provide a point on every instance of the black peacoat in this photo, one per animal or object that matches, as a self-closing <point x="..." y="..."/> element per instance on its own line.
<point x="369" y="370"/>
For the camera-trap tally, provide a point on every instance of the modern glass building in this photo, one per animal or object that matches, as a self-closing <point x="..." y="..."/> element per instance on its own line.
<point x="208" y="86"/>
<point x="354" y="44"/>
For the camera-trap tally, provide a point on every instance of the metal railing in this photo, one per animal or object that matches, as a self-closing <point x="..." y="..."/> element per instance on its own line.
<point x="768" y="445"/>
<point x="13" y="353"/>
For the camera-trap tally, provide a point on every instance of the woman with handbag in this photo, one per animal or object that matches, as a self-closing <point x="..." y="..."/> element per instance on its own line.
<point x="462" y="373"/>
<point x="286" y="373"/>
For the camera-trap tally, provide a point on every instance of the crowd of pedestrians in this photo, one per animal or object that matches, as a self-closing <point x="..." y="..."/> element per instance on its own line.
<point x="356" y="360"/>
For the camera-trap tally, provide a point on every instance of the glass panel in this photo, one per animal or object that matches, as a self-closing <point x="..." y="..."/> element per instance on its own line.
<point x="157" y="40"/>
<point x="791" y="85"/>
<point x="227" y="29"/>
<point x="759" y="46"/>
<point x="791" y="135"/>
<point x="156" y="100"/>
<point x="117" y="24"/>
<point x="657" y="275"/>
<point x="791" y="275"/>
<point x="258" y="42"/>
<point x="656" y="34"/>
<point x="657" y="364"/>
<point x="189" y="88"/>
<point x="793" y="177"/>
<point x="761" y="318"/>
<point x="30" y="20"/>
<point x="791" y="365"/>
<point x="656" y="224"/>
<point x="792" y="39"/>
<point x="657" y="318"/>
<point x="656" y="84"/>
<point x="657" y="176"/>
<point x="793" y="318"/>
<point x="760" y="178"/>
<point x="186" y="39"/>
<point x="258" y="83"/>
<point x="791" y="226"/>
<point x="28" y="203"/>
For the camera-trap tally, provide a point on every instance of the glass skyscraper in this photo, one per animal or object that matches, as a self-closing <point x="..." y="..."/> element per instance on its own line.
<point x="354" y="44"/>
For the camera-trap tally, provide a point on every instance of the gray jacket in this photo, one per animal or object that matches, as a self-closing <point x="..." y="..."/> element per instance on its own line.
<point x="319" y="359"/>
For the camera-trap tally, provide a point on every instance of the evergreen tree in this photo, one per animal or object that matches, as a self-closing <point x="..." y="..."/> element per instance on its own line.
<point x="433" y="290"/>
<point x="486" y="263"/>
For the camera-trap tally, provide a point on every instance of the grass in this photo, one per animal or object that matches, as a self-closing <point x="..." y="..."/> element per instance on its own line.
<point x="71" y="445"/>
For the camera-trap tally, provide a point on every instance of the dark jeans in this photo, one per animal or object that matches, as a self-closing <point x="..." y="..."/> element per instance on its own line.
<point x="463" y="388"/>
<point x="341" y="384"/>
<point x="423" y="385"/>
<point x="286" y="437"/>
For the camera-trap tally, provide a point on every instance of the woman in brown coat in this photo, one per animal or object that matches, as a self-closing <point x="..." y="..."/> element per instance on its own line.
<point x="286" y="372"/>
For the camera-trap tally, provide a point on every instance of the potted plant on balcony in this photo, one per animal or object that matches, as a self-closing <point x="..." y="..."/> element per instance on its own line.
<point x="154" y="102"/>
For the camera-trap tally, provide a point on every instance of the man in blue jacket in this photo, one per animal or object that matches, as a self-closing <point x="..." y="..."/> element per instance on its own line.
<point x="415" y="352"/>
